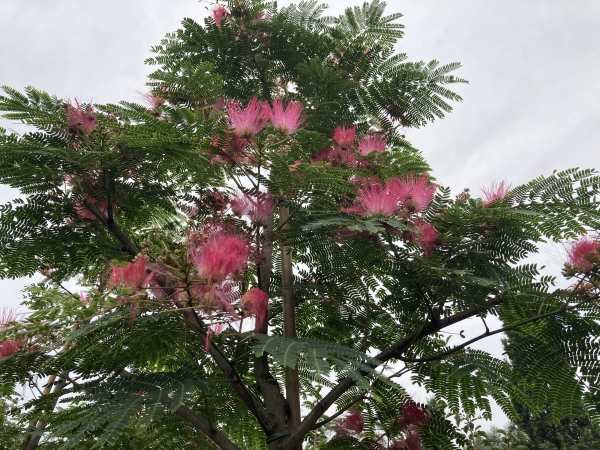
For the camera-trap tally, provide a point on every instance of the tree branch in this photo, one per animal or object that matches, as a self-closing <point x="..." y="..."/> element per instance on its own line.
<point x="233" y="377"/>
<point x="394" y="351"/>
<point x="202" y="425"/>
<point x="512" y="327"/>
<point x="128" y="245"/>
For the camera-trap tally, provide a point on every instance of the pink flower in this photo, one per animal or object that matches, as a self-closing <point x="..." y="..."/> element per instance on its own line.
<point x="495" y="191"/>
<point x="255" y="303"/>
<point x="337" y="157"/>
<point x="151" y="99"/>
<point x="81" y="121"/>
<point x="218" y="255"/>
<point x="344" y="137"/>
<point x="286" y="120"/>
<point x="426" y="236"/>
<point x="351" y="423"/>
<point x="258" y="208"/>
<point x="219" y="13"/>
<point x="413" y="438"/>
<point x="214" y="329"/>
<point x="372" y="143"/>
<point x="233" y="151"/>
<point x="8" y="347"/>
<point x="413" y="413"/>
<point x="214" y="297"/>
<point x="416" y="194"/>
<point x="130" y="276"/>
<point x="249" y="121"/>
<point x="580" y="253"/>
<point x="376" y="198"/>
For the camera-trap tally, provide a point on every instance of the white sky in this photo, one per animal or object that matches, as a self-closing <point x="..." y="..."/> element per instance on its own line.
<point x="531" y="105"/>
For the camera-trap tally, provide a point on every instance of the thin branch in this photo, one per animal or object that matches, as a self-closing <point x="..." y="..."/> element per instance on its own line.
<point x="205" y="428"/>
<point x="233" y="377"/>
<point x="128" y="245"/>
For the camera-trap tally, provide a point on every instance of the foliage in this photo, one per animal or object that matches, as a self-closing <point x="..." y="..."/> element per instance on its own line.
<point x="173" y="214"/>
<point x="575" y="432"/>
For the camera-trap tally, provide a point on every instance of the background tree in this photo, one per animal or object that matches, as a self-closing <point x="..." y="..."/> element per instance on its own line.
<point x="571" y="433"/>
<point x="262" y="222"/>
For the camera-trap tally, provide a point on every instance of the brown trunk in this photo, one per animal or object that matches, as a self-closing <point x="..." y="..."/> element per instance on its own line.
<point x="292" y="385"/>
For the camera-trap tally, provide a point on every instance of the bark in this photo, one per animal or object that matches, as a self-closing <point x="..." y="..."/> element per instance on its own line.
<point x="268" y="386"/>
<point x="292" y="383"/>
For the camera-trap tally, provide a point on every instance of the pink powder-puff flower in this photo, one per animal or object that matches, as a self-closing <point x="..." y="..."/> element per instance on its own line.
<point x="214" y="329"/>
<point x="581" y="252"/>
<point x="213" y="298"/>
<point x="250" y="120"/>
<point x="151" y="99"/>
<point x="337" y="157"/>
<point x="413" y="439"/>
<point x="425" y="237"/>
<point x="131" y="276"/>
<point x="255" y="303"/>
<point x="233" y="151"/>
<point x="413" y="413"/>
<point x="376" y="198"/>
<point x="218" y="255"/>
<point x="495" y="192"/>
<point x="372" y="143"/>
<point x="351" y="423"/>
<point x="288" y="119"/>
<point x="81" y="121"/>
<point x="258" y="208"/>
<point x="8" y="347"/>
<point x="344" y="137"/>
<point x="219" y="14"/>
<point x="417" y="194"/>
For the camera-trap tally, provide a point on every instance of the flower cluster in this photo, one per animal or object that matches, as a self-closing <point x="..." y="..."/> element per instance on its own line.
<point x="246" y="122"/>
<point x="249" y="121"/>
<point x="287" y="119"/>
<point x="12" y="346"/>
<point x="132" y="276"/>
<point x="413" y="416"/>
<point x="255" y="303"/>
<point x="350" y="423"/>
<point x="258" y="208"/>
<point x="582" y="256"/>
<point x="401" y="198"/>
<point x="496" y="192"/>
<point x="218" y="254"/>
<point x="219" y="14"/>
<point x="346" y="152"/>
<point x="81" y="121"/>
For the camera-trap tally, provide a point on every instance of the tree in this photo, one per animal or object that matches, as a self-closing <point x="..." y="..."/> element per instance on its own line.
<point x="260" y="234"/>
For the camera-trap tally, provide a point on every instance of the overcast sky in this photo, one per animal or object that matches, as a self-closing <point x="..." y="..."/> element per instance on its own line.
<point x="533" y="65"/>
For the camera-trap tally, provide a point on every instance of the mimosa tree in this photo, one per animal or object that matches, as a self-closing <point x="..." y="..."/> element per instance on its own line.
<point x="266" y="262"/>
